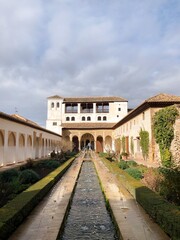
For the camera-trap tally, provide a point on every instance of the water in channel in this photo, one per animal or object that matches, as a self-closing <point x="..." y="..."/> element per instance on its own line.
<point x="88" y="217"/>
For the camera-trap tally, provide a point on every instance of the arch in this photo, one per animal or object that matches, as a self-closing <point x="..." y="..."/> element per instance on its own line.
<point x="87" y="141"/>
<point x="21" y="140"/>
<point x="72" y="118"/>
<point x="99" y="144"/>
<point x="1" y="139"/>
<point x="29" y="141"/>
<point x="67" y="118"/>
<point x="52" y="105"/>
<point x="88" y="118"/>
<point x="11" y="140"/>
<point x="42" y="148"/>
<point x="29" y="152"/>
<point x="108" y="143"/>
<point x="57" y="104"/>
<point x="21" y="149"/>
<point x="75" y="141"/>
<point x="104" y="118"/>
<point x="99" y="118"/>
<point x="11" y="153"/>
<point x="83" y="118"/>
<point x="1" y="148"/>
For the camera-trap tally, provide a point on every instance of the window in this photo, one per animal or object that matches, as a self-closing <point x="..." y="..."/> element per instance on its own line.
<point x="71" y="108"/>
<point x="104" y="118"/>
<point x="67" y="118"/>
<point x="54" y="123"/>
<point x="88" y="118"/>
<point x="83" y="119"/>
<point x="57" y="105"/>
<point x="117" y="115"/>
<point x="119" y="109"/>
<point x="72" y="118"/>
<point x="86" y="107"/>
<point x="102" y="107"/>
<point x="52" y="105"/>
<point x="99" y="118"/>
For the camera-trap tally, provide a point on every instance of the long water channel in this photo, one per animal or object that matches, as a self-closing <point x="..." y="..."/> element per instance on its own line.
<point x="88" y="217"/>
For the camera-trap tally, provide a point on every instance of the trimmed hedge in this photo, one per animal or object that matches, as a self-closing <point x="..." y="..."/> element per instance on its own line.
<point x="164" y="213"/>
<point x="14" y="212"/>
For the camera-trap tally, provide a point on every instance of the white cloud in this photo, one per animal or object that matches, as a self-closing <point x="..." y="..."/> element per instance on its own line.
<point x="124" y="48"/>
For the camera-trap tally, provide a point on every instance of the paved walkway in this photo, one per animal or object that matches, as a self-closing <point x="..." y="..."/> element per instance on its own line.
<point x="45" y="220"/>
<point x="131" y="219"/>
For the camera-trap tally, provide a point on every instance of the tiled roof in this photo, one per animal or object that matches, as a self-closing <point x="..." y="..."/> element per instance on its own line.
<point x="88" y="125"/>
<point x="24" y="119"/>
<point x="162" y="97"/>
<point x="89" y="99"/>
<point x="55" y="96"/>
<point x="21" y="120"/>
<point x="95" y="99"/>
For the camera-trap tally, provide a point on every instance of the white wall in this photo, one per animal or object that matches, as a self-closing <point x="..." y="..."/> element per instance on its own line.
<point x="17" y="152"/>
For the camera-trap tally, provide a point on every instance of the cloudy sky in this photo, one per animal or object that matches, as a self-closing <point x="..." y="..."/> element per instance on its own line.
<point x="127" y="48"/>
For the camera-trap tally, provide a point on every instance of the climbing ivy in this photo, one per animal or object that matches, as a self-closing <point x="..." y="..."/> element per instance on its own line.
<point x="144" y="143"/>
<point x="132" y="145"/>
<point x="163" y="123"/>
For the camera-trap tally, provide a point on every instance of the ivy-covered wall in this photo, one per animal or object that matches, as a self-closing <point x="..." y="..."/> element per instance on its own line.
<point x="175" y="145"/>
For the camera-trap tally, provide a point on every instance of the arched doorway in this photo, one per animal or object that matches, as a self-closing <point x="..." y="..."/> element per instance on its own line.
<point x="87" y="141"/>
<point x="108" y="143"/>
<point x="75" y="141"/>
<point x="99" y="144"/>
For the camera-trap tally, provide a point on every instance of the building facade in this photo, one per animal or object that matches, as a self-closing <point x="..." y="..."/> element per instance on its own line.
<point x="142" y="118"/>
<point x="86" y="121"/>
<point x="101" y="123"/>
<point x="21" y="139"/>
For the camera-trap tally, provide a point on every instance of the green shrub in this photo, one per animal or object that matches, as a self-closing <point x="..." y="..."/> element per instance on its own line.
<point x="134" y="172"/>
<point x="123" y="164"/>
<point x="29" y="164"/>
<point x="9" y="175"/>
<point x="170" y="185"/>
<point x="132" y="163"/>
<point x="102" y="154"/>
<point x="28" y="176"/>
<point x="52" y="164"/>
<point x="49" y="164"/>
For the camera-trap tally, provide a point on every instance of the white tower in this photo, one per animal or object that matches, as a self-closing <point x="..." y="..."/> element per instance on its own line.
<point x="54" y="114"/>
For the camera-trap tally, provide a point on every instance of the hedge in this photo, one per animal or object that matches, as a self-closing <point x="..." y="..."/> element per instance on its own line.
<point x="164" y="213"/>
<point x="14" y="212"/>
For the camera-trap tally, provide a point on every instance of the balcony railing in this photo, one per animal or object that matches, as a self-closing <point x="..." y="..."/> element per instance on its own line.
<point x="87" y="110"/>
<point x="71" y="111"/>
<point x="102" y="110"/>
